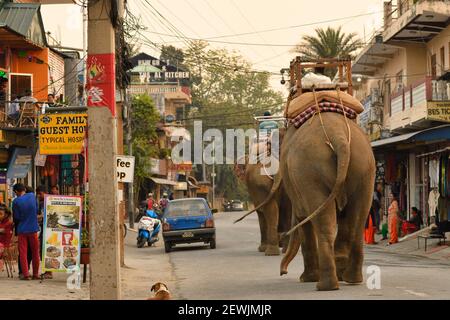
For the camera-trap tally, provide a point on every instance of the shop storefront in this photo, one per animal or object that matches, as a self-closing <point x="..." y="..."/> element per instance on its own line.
<point x="415" y="167"/>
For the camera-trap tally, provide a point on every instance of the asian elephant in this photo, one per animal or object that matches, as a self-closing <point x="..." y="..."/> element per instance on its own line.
<point x="274" y="216"/>
<point x="327" y="169"/>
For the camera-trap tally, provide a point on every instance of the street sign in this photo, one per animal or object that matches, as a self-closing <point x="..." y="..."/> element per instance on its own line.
<point x="125" y="168"/>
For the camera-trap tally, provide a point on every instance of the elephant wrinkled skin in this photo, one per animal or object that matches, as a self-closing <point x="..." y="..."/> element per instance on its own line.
<point x="339" y="184"/>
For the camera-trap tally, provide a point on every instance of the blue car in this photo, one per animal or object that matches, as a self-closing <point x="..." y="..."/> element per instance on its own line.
<point x="188" y="221"/>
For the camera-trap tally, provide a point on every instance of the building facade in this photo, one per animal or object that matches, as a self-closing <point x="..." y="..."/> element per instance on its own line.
<point x="404" y="75"/>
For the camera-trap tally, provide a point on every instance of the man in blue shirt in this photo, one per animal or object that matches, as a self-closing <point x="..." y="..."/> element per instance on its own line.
<point x="25" y="217"/>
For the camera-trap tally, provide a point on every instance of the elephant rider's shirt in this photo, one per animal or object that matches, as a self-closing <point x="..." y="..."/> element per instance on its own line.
<point x="268" y="126"/>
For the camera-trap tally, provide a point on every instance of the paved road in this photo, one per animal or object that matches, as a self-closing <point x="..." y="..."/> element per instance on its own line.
<point x="235" y="270"/>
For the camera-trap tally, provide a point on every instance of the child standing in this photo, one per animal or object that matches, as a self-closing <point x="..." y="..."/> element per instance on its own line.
<point x="6" y="230"/>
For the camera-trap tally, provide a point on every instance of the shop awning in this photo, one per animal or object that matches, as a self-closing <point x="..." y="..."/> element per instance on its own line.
<point x="164" y="181"/>
<point x="430" y="134"/>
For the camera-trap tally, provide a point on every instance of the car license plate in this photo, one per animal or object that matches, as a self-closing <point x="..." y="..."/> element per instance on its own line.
<point x="188" y="235"/>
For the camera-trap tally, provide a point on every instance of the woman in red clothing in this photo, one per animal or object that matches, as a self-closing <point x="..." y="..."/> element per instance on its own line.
<point x="393" y="212"/>
<point x="6" y="230"/>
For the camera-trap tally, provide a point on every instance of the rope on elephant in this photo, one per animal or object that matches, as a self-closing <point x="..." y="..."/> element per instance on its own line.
<point x="328" y="142"/>
<point x="343" y="110"/>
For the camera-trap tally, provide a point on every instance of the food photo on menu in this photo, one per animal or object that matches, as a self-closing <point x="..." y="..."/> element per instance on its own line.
<point x="66" y="217"/>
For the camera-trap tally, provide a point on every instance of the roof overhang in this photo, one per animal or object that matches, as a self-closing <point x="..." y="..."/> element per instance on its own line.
<point x="15" y="40"/>
<point x="164" y="181"/>
<point x="372" y="57"/>
<point x="420" y="23"/>
<point x="439" y="133"/>
<point x="178" y="96"/>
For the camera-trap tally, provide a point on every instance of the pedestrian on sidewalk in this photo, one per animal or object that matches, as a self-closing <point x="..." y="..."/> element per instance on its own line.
<point x="376" y="204"/>
<point x="25" y="215"/>
<point x="40" y="195"/>
<point x="369" y="232"/>
<point x="393" y="219"/>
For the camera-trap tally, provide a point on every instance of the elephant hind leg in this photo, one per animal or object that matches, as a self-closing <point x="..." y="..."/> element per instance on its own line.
<point x="291" y="252"/>
<point x="310" y="255"/>
<point x="271" y="223"/>
<point x="342" y="246"/>
<point x="357" y="213"/>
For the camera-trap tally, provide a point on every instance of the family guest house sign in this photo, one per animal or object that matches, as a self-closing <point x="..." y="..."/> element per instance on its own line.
<point x="62" y="133"/>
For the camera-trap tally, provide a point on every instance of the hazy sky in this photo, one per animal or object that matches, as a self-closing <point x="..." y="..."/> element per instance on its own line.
<point x="215" y="19"/>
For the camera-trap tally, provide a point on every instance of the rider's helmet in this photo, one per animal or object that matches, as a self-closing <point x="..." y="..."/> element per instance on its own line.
<point x="267" y="114"/>
<point x="165" y="194"/>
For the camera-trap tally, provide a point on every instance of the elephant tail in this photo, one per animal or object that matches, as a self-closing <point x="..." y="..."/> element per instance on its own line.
<point x="276" y="185"/>
<point x="342" y="150"/>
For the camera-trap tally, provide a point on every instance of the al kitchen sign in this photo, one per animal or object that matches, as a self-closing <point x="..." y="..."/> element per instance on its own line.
<point x="439" y="111"/>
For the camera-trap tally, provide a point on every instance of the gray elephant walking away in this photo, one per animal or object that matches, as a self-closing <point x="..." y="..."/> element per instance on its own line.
<point x="336" y="181"/>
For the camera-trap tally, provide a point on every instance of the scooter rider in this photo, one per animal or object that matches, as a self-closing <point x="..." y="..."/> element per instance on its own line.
<point x="164" y="201"/>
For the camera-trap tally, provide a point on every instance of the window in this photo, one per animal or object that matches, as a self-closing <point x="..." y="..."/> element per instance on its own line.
<point x="442" y="66"/>
<point x="19" y="85"/>
<point x="186" y="208"/>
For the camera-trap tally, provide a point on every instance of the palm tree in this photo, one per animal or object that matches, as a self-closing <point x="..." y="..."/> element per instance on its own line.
<point x="329" y="43"/>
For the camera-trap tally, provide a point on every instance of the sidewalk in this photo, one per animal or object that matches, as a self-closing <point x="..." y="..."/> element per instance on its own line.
<point x="143" y="268"/>
<point x="409" y="245"/>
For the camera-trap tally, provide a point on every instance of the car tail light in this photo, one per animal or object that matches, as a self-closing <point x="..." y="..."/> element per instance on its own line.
<point x="209" y="223"/>
<point x="166" y="226"/>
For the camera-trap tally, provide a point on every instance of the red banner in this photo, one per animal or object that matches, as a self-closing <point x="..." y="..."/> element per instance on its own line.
<point x="101" y="87"/>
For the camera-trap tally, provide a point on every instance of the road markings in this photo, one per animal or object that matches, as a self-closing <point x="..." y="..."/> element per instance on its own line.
<point x="419" y="294"/>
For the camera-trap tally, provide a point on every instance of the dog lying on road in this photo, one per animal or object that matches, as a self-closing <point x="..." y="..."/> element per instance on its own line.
<point x="161" y="292"/>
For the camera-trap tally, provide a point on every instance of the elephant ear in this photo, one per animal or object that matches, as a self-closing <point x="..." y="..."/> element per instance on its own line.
<point x="239" y="169"/>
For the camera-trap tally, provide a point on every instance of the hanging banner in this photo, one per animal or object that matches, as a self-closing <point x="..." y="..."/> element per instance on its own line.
<point x="62" y="133"/>
<point x="101" y="81"/>
<point x="61" y="236"/>
<point x="125" y="168"/>
<point x="20" y="163"/>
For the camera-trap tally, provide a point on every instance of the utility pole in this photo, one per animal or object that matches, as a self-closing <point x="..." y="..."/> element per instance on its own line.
<point x="102" y="136"/>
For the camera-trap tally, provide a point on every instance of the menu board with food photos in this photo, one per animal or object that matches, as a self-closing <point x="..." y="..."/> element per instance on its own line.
<point x="61" y="236"/>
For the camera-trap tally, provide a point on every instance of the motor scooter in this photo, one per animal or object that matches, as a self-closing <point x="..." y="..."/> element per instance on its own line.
<point x="148" y="229"/>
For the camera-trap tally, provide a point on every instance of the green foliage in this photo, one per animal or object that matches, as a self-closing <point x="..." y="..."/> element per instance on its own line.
<point x="144" y="118"/>
<point x="84" y="238"/>
<point x="172" y="55"/>
<point x="227" y="94"/>
<point x="329" y="43"/>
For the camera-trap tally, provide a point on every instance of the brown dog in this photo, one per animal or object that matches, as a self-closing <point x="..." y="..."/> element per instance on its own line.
<point x="161" y="292"/>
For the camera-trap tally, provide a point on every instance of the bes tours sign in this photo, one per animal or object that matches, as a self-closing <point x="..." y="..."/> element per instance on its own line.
<point x="62" y="133"/>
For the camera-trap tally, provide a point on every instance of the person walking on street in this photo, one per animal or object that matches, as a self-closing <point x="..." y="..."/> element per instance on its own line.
<point x="25" y="215"/>
<point x="40" y="195"/>
<point x="163" y="202"/>
<point x="376" y="204"/>
<point x="393" y="219"/>
<point x="150" y="201"/>
<point x="369" y="232"/>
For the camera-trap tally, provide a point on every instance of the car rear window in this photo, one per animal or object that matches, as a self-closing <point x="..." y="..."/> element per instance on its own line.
<point x="186" y="208"/>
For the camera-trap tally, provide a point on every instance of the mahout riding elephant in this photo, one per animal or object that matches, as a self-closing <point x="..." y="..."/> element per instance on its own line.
<point x="327" y="169"/>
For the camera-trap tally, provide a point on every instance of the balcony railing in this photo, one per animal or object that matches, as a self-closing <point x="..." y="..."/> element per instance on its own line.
<point x="19" y="114"/>
<point x="419" y="93"/>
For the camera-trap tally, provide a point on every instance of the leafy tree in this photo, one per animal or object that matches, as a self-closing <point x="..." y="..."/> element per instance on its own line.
<point x="173" y="56"/>
<point x="143" y="123"/>
<point x="227" y="94"/>
<point x="329" y="43"/>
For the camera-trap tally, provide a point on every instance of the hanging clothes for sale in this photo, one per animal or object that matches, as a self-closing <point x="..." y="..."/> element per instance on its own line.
<point x="433" y="172"/>
<point x="67" y="172"/>
<point x="51" y="169"/>
<point x="390" y="173"/>
<point x="443" y="176"/>
<point x="433" y="199"/>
